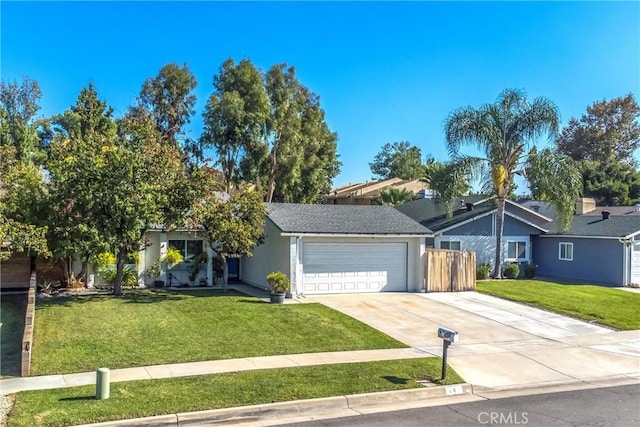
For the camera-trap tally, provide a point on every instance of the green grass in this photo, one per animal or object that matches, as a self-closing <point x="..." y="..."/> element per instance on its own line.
<point x="84" y="333"/>
<point x="12" y="312"/>
<point x="71" y="406"/>
<point x="609" y="307"/>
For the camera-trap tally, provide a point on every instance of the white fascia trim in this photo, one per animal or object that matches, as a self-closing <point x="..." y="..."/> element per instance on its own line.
<point x="570" y="236"/>
<point x="466" y="221"/>
<point x="524" y="208"/>
<point x="529" y="223"/>
<point x="632" y="235"/>
<point x="391" y="236"/>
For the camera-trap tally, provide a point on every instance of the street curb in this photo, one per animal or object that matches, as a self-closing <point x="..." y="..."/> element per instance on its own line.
<point x="296" y="407"/>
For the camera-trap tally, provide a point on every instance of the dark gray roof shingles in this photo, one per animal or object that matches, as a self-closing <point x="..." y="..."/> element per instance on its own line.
<point x="594" y="226"/>
<point x="342" y="219"/>
<point x="433" y="215"/>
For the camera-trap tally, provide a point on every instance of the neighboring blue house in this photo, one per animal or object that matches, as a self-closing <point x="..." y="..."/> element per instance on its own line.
<point x="472" y="227"/>
<point x="602" y="246"/>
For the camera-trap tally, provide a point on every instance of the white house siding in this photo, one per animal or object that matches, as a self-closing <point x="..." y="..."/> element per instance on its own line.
<point x="272" y="255"/>
<point x="485" y="246"/>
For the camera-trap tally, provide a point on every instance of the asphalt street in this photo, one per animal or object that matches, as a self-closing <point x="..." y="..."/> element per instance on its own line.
<point x="598" y="407"/>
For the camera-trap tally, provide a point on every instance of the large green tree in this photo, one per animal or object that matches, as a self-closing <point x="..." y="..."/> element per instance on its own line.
<point x="503" y="131"/>
<point x="611" y="183"/>
<point x="235" y="116"/>
<point x="232" y="224"/>
<point x="270" y="130"/>
<point x="169" y="100"/>
<point x="22" y="199"/>
<point x="18" y="122"/>
<point x="398" y="160"/>
<point x="609" y="130"/>
<point x="110" y="181"/>
<point x="300" y="161"/>
<point x="80" y="133"/>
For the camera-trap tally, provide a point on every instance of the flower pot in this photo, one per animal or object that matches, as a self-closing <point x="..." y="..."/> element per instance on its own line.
<point x="277" y="298"/>
<point x="158" y="283"/>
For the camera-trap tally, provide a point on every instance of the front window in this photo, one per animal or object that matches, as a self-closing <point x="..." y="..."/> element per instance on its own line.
<point x="188" y="248"/>
<point x="517" y="250"/>
<point x="453" y="245"/>
<point x="566" y="251"/>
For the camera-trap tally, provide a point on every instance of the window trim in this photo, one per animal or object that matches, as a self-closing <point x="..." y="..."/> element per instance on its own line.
<point x="566" y="245"/>
<point x="185" y="254"/>
<point x="526" y="250"/>
<point x="450" y="241"/>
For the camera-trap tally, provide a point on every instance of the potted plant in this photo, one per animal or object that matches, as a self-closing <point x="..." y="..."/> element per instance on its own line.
<point x="153" y="272"/>
<point x="279" y="285"/>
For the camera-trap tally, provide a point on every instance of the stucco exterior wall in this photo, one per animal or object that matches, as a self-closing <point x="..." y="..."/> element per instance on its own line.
<point x="272" y="255"/>
<point x="598" y="261"/>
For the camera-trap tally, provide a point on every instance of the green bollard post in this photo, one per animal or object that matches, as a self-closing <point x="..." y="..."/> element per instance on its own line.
<point x="102" y="384"/>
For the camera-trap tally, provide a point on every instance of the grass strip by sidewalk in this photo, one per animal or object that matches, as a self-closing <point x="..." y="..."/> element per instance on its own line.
<point x="605" y="306"/>
<point x="70" y="406"/>
<point x="84" y="333"/>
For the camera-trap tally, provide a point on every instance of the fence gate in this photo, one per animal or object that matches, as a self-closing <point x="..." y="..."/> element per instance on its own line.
<point x="449" y="271"/>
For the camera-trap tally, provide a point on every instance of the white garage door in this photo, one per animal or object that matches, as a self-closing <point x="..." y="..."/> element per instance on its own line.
<point x="354" y="267"/>
<point x="635" y="264"/>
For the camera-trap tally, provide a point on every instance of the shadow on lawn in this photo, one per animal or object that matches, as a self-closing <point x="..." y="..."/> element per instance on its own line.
<point x="77" y="398"/>
<point x="12" y="313"/>
<point x="396" y="380"/>
<point x="142" y="296"/>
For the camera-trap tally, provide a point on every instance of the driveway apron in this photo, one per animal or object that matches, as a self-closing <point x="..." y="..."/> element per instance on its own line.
<point x="502" y="344"/>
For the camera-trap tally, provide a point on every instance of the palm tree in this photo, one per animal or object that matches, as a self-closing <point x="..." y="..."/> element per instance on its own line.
<point x="503" y="131"/>
<point x="396" y="196"/>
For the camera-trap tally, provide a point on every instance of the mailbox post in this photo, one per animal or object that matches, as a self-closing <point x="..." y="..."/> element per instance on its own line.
<point x="448" y="337"/>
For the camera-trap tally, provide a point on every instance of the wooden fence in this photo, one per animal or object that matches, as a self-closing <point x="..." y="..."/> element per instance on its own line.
<point x="449" y="271"/>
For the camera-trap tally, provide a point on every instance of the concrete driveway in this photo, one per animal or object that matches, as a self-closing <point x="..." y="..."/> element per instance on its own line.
<point x="502" y="344"/>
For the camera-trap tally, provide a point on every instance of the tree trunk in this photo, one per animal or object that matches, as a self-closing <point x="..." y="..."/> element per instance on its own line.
<point x="225" y="272"/>
<point x="271" y="186"/>
<point x="497" y="270"/>
<point x="120" y="261"/>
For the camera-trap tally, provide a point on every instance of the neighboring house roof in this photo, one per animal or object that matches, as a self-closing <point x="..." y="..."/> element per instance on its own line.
<point x="371" y="189"/>
<point x="433" y="215"/>
<point x="342" y="219"/>
<point x="594" y="226"/>
<point x="541" y="207"/>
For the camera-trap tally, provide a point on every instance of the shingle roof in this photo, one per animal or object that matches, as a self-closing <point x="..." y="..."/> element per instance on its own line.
<point x="614" y="226"/>
<point x="342" y="219"/>
<point x="434" y="215"/>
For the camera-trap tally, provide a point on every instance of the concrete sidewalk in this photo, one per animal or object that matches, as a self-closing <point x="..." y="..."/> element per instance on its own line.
<point x="14" y="385"/>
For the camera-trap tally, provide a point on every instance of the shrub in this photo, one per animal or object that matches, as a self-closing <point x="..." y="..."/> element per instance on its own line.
<point x="530" y="270"/>
<point x="129" y="277"/>
<point x="174" y="256"/>
<point x="482" y="271"/>
<point x="279" y="282"/>
<point x="511" y="271"/>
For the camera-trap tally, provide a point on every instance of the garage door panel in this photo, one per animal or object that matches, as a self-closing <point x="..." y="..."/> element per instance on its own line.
<point x="354" y="267"/>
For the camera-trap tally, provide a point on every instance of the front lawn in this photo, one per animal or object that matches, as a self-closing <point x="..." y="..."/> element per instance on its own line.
<point x="610" y="307"/>
<point x="12" y="312"/>
<point x="71" y="406"/>
<point x="83" y="333"/>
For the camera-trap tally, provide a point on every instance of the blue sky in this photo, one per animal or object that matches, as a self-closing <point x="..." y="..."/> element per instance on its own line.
<point x="384" y="72"/>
